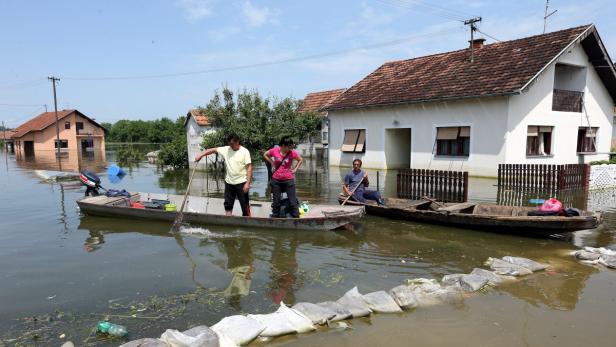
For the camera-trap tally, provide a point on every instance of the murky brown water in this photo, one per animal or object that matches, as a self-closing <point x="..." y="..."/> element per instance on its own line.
<point x="61" y="271"/>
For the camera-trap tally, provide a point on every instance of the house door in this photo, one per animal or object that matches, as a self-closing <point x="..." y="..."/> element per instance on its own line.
<point x="29" y="148"/>
<point x="398" y="148"/>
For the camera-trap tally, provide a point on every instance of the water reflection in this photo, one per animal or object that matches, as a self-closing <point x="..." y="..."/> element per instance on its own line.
<point x="71" y="161"/>
<point x="240" y="263"/>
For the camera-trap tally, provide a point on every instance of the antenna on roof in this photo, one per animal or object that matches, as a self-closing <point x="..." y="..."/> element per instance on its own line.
<point x="472" y="22"/>
<point x="546" y="14"/>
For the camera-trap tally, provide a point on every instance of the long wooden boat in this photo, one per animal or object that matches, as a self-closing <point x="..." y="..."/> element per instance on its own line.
<point x="489" y="217"/>
<point x="210" y="211"/>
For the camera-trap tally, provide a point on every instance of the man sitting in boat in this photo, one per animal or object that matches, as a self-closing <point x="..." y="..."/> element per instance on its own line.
<point x="355" y="184"/>
<point x="281" y="159"/>
<point x="238" y="173"/>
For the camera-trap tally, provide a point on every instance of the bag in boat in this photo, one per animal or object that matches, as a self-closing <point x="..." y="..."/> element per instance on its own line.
<point x="285" y="208"/>
<point x="493" y="278"/>
<point x="404" y="297"/>
<point x="502" y="267"/>
<point x="113" y="193"/>
<point x="341" y="311"/>
<point x="552" y="205"/>
<point x="237" y="330"/>
<point x="317" y="314"/>
<point x="538" y="213"/>
<point x="354" y="302"/>
<point x="381" y="302"/>
<point x="284" y="321"/>
<point x="527" y="263"/>
<point x="200" y="336"/>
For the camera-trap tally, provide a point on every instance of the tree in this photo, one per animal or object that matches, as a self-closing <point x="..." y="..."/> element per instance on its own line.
<point x="259" y="122"/>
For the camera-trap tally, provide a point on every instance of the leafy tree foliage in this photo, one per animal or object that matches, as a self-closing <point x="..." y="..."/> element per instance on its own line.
<point x="163" y="130"/>
<point x="174" y="153"/>
<point x="260" y="122"/>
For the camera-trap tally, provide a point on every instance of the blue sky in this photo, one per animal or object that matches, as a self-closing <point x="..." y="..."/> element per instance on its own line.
<point x="86" y="42"/>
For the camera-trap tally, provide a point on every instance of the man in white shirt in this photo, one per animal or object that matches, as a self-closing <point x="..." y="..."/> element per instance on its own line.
<point x="238" y="173"/>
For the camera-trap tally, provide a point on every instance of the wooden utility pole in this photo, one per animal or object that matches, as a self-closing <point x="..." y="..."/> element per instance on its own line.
<point x="546" y="15"/>
<point x="55" y="104"/>
<point x="472" y="22"/>
<point x="4" y="135"/>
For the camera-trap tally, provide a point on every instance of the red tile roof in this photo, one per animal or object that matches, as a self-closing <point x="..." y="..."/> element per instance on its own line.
<point x="40" y="122"/>
<point x="6" y="134"/>
<point x="46" y="119"/>
<point x="199" y="117"/>
<point x="498" y="69"/>
<point x="317" y="101"/>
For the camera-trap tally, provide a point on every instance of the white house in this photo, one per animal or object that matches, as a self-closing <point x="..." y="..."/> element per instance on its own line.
<point x="196" y="125"/>
<point x="545" y="99"/>
<point x="318" y="102"/>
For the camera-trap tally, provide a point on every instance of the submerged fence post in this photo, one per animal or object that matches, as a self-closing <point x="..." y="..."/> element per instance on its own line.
<point x="378" y="183"/>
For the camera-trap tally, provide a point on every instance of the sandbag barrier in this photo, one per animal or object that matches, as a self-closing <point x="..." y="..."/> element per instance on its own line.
<point x="303" y="317"/>
<point x="596" y="256"/>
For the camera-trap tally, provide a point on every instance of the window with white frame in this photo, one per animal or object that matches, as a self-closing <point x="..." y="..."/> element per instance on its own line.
<point x="539" y="140"/>
<point x="354" y="141"/>
<point x="453" y="141"/>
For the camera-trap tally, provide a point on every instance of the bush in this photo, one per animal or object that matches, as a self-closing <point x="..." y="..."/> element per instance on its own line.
<point x="174" y="154"/>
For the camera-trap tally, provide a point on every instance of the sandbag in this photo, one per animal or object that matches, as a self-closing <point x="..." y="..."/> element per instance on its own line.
<point x="238" y="329"/>
<point x="493" y="278"/>
<point x="585" y="255"/>
<point x="429" y="292"/>
<point x="284" y="321"/>
<point x="526" y="263"/>
<point x="174" y="338"/>
<point x="502" y="267"/>
<point x="146" y="342"/>
<point x="600" y="250"/>
<point x="381" y="302"/>
<point x="472" y="283"/>
<point x="354" y="302"/>
<point x="317" y="314"/>
<point x="451" y="280"/>
<point x="404" y="297"/>
<point x="341" y="311"/>
<point x="201" y="330"/>
<point x="608" y="260"/>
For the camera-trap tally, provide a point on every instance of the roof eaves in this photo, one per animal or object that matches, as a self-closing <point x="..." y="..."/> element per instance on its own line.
<point x="577" y="39"/>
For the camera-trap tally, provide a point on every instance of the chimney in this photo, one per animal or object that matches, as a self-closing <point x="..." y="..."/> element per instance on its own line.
<point x="477" y="43"/>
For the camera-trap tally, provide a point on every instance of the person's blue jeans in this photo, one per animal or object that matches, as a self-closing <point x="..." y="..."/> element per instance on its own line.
<point x="363" y="195"/>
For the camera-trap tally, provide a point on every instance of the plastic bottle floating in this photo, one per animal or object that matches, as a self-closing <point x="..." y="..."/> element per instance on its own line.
<point x="106" y="327"/>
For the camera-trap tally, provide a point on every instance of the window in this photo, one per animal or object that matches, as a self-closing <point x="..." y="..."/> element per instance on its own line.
<point x="354" y="141"/>
<point x="67" y="125"/>
<point x="324" y="136"/>
<point x="539" y="140"/>
<point x="79" y="125"/>
<point x="453" y="141"/>
<point x="63" y="144"/>
<point x="586" y="140"/>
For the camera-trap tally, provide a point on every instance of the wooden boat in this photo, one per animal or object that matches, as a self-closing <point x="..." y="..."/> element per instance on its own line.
<point x="210" y="211"/>
<point x="489" y="217"/>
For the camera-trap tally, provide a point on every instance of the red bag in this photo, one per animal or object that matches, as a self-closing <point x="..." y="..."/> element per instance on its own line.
<point x="551" y="205"/>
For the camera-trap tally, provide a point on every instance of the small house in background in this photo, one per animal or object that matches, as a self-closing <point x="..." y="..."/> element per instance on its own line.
<point x="317" y="102"/>
<point x="78" y="133"/>
<point x="544" y="99"/>
<point x="196" y="124"/>
<point x="6" y="136"/>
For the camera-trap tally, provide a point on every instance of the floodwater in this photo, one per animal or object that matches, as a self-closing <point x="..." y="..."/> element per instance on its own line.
<point x="61" y="271"/>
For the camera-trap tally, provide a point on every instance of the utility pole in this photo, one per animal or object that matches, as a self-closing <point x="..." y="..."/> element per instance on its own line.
<point x="54" y="80"/>
<point x="472" y="22"/>
<point x="546" y="14"/>
<point x="4" y="135"/>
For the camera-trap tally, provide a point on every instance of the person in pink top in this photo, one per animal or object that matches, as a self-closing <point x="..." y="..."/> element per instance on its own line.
<point x="282" y="160"/>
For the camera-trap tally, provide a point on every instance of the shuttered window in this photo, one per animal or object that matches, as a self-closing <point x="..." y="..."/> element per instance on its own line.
<point x="539" y="140"/>
<point x="354" y="141"/>
<point x="587" y="138"/>
<point x="453" y="141"/>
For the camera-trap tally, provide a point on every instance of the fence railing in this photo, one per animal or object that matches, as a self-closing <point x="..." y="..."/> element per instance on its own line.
<point x="445" y="186"/>
<point x="544" y="177"/>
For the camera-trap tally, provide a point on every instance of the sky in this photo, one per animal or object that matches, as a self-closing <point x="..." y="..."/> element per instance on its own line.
<point x="138" y="59"/>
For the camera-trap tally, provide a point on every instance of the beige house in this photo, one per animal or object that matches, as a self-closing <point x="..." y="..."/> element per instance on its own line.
<point x="78" y="133"/>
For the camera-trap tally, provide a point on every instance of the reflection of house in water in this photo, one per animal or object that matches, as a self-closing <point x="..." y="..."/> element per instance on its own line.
<point x="73" y="161"/>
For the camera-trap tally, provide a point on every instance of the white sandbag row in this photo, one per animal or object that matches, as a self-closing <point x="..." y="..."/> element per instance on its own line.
<point x="239" y="330"/>
<point x="594" y="256"/>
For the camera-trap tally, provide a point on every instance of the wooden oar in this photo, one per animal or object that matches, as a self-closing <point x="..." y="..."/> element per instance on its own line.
<point x="180" y="214"/>
<point x="433" y="201"/>
<point x="354" y="189"/>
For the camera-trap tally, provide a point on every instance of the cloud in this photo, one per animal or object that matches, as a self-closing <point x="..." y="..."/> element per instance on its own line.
<point x="256" y="17"/>
<point x="224" y="33"/>
<point x="195" y="10"/>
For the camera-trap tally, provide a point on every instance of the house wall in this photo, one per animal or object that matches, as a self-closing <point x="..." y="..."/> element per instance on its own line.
<point x="194" y="137"/>
<point x="534" y="107"/>
<point x="45" y="140"/>
<point x="487" y="118"/>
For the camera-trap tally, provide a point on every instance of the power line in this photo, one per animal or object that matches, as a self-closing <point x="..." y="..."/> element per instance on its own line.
<point x="434" y="9"/>
<point x="23" y="105"/>
<point x="490" y="36"/>
<point x="266" y="63"/>
<point x="25" y="84"/>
